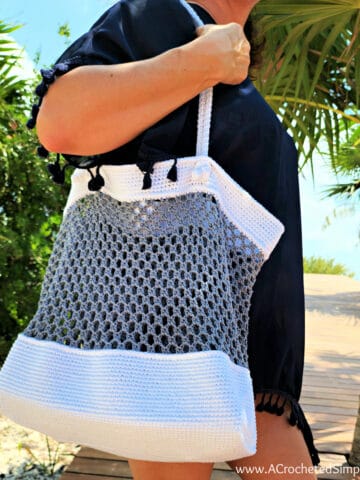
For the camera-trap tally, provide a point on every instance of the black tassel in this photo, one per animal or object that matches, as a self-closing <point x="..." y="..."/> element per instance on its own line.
<point x="267" y="406"/>
<point x="147" y="167"/>
<point x="297" y="417"/>
<point x="146" y="181"/>
<point x="280" y="409"/>
<point x="172" y="173"/>
<point x="61" y="68"/>
<point x="42" y="152"/>
<point x="260" y="406"/>
<point x="41" y="89"/>
<point x="48" y="75"/>
<point x="35" y="110"/>
<point x="31" y="123"/>
<point x="293" y="420"/>
<point x="273" y="408"/>
<point x="309" y="439"/>
<point x="97" y="181"/>
<point x="57" y="173"/>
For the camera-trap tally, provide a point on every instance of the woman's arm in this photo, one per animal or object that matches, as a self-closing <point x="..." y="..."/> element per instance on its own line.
<point x="95" y="109"/>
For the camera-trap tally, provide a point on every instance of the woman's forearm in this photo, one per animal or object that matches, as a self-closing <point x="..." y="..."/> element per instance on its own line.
<point x="97" y="108"/>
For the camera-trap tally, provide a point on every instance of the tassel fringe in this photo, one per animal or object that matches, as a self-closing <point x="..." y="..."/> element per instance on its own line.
<point x="172" y="173"/>
<point x="296" y="417"/>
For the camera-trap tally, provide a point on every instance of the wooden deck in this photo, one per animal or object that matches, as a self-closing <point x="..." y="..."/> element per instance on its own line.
<point x="330" y="390"/>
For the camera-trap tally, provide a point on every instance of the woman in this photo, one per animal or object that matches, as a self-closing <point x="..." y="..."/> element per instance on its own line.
<point x="140" y="101"/>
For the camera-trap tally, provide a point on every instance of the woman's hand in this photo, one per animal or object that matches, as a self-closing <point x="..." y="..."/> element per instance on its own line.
<point x="226" y="49"/>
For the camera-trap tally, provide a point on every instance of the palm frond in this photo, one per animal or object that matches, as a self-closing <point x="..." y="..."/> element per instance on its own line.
<point x="311" y="73"/>
<point x="10" y="56"/>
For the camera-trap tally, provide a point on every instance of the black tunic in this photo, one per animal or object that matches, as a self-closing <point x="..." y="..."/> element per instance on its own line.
<point x="250" y="143"/>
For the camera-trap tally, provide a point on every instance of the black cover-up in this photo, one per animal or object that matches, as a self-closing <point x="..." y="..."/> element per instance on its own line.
<point x="250" y="143"/>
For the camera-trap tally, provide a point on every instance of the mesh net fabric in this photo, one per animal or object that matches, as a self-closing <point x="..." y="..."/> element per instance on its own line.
<point x="166" y="276"/>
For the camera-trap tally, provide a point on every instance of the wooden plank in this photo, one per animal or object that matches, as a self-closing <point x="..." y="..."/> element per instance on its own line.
<point x="340" y="448"/>
<point x="325" y="376"/>
<point x="334" y="427"/>
<point x="342" y="369"/>
<point x="348" y="353"/>
<point x="316" y="381"/>
<point x="334" y="467"/>
<point x="99" y="466"/>
<point x="223" y="475"/>
<point x="221" y="466"/>
<point x="85" y="476"/>
<point x="345" y="404"/>
<point x="88" y="452"/>
<point x="326" y="391"/>
<point x="336" y="411"/>
<point x="216" y="475"/>
<point x="314" y="417"/>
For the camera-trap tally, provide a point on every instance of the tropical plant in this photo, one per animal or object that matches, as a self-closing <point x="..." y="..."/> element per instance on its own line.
<point x="347" y="174"/>
<point x="10" y="84"/>
<point x="348" y="165"/>
<point x="312" y="68"/>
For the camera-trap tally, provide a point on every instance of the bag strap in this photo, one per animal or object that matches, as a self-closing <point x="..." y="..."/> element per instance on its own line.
<point x="205" y="102"/>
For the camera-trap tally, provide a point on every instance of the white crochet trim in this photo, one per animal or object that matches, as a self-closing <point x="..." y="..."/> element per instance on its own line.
<point x="203" y="122"/>
<point x="195" y="174"/>
<point x="189" y="403"/>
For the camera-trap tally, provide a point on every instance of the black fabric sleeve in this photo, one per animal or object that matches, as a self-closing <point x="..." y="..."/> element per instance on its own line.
<point x="103" y="44"/>
<point x="130" y="30"/>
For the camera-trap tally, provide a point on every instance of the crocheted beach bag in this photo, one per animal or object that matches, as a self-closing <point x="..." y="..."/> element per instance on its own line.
<point x="139" y="343"/>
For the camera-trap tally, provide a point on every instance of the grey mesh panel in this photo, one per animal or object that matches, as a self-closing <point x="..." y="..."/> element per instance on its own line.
<point x="165" y="276"/>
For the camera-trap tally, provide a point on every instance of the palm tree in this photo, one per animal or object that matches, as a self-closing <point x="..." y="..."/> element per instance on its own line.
<point x="10" y="83"/>
<point x="312" y="68"/>
<point x="348" y="164"/>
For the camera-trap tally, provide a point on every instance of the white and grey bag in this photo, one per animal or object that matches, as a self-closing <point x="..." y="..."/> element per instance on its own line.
<point x="139" y="343"/>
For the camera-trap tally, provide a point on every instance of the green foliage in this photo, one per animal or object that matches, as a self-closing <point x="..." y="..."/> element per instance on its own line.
<point x="311" y="73"/>
<point x="30" y="209"/>
<point x="10" y="85"/>
<point x="47" y="469"/>
<point x="322" y="265"/>
<point x="64" y="31"/>
<point x="348" y="165"/>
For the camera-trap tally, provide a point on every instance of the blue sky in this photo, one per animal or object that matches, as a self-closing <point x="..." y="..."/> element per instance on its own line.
<point x="41" y="19"/>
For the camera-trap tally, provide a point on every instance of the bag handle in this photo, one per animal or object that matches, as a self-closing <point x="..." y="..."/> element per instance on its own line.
<point x="205" y="102"/>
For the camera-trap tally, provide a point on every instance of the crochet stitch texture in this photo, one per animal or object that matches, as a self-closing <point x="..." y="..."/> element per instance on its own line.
<point x="152" y="276"/>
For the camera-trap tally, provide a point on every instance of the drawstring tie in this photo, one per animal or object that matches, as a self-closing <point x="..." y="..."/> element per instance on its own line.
<point x="147" y="166"/>
<point x="57" y="173"/>
<point x="172" y="173"/>
<point x="96" y="181"/>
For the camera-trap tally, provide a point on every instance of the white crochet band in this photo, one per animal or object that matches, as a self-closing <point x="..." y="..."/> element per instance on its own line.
<point x="195" y="174"/>
<point x="185" y="405"/>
